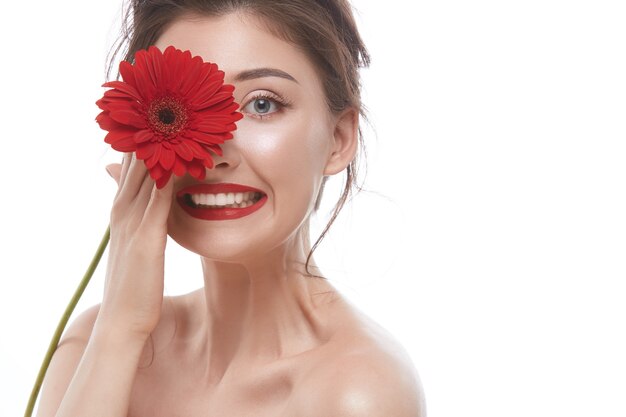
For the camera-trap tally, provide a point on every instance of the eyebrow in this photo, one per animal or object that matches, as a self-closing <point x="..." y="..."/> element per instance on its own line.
<point x="263" y="72"/>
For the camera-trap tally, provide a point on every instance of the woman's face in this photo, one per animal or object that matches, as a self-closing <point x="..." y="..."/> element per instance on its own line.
<point x="282" y="146"/>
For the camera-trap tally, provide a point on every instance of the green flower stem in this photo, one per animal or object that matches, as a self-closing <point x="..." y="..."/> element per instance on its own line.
<point x="66" y="316"/>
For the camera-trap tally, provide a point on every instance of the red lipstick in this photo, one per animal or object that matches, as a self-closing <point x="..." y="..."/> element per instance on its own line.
<point x="214" y="212"/>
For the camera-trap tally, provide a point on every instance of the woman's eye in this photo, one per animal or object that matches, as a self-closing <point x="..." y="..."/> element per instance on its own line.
<point x="261" y="106"/>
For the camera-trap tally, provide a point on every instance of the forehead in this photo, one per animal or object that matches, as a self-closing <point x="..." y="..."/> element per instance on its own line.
<point x="237" y="42"/>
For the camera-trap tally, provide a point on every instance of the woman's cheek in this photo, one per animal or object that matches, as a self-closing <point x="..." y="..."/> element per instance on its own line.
<point x="282" y="142"/>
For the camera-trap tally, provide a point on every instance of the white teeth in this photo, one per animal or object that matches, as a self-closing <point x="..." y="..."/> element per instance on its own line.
<point x="239" y="200"/>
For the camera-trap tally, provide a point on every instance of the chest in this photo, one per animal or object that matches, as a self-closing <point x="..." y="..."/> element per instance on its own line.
<point x="159" y="393"/>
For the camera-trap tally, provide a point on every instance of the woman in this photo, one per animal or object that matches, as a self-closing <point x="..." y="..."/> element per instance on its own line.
<point x="265" y="336"/>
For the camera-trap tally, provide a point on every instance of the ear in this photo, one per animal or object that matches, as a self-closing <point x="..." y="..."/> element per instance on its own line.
<point x="345" y="141"/>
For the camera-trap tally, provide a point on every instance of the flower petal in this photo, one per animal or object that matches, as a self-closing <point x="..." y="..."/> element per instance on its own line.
<point x="127" y="117"/>
<point x="180" y="167"/>
<point x="155" y="158"/>
<point x="204" y="137"/>
<point x="106" y="123"/>
<point x="210" y="87"/>
<point x="144" y="135"/>
<point x="124" y="88"/>
<point x="127" y="71"/>
<point x="121" y="140"/>
<point x="146" y="150"/>
<point x="191" y="76"/>
<point x="176" y="60"/>
<point x="167" y="158"/>
<point x="215" y="149"/>
<point x="198" y="151"/>
<point x="183" y="151"/>
<point x="225" y="107"/>
<point x="119" y="134"/>
<point x="214" y="126"/>
<point x="208" y="162"/>
<point x="196" y="169"/>
<point x="154" y="65"/>
<point x="142" y="76"/>
<point x="215" y="99"/>
<point x="156" y="172"/>
<point x="160" y="183"/>
<point x="114" y="94"/>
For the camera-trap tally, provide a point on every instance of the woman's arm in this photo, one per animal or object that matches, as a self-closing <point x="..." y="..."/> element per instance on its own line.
<point x="92" y="371"/>
<point x="94" y="367"/>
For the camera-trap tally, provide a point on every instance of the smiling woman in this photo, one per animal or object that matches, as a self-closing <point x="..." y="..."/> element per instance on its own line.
<point x="264" y="336"/>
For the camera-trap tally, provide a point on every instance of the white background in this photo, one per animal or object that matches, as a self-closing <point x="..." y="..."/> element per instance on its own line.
<point x="492" y="244"/>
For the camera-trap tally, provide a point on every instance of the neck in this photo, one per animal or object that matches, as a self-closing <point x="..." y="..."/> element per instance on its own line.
<point x="260" y="311"/>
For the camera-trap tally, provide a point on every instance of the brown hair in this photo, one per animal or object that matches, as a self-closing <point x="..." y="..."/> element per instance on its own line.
<point x="324" y="29"/>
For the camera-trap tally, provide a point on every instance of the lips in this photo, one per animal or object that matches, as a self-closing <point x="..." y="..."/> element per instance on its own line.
<point x="220" y="201"/>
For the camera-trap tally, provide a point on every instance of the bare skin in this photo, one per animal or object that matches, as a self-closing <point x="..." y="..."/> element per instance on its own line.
<point x="359" y="371"/>
<point x="295" y="384"/>
<point x="260" y="338"/>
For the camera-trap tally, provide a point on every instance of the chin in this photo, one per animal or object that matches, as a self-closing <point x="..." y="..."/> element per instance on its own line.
<point x="232" y="243"/>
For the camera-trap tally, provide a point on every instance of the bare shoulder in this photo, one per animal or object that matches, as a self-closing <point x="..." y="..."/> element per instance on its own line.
<point x="80" y="328"/>
<point x="364" y="373"/>
<point x="368" y="383"/>
<point x="65" y="361"/>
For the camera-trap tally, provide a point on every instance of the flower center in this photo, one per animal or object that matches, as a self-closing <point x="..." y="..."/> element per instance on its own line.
<point x="167" y="116"/>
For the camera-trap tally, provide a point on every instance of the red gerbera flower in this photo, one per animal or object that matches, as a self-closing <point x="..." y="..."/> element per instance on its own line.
<point x="172" y="109"/>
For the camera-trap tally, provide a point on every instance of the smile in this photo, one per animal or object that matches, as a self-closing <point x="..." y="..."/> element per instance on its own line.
<point x="220" y="201"/>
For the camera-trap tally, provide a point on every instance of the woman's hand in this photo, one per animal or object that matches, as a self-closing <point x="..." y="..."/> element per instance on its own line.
<point x="133" y="292"/>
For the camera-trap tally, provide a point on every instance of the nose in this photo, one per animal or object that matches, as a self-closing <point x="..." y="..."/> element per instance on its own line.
<point x="230" y="158"/>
